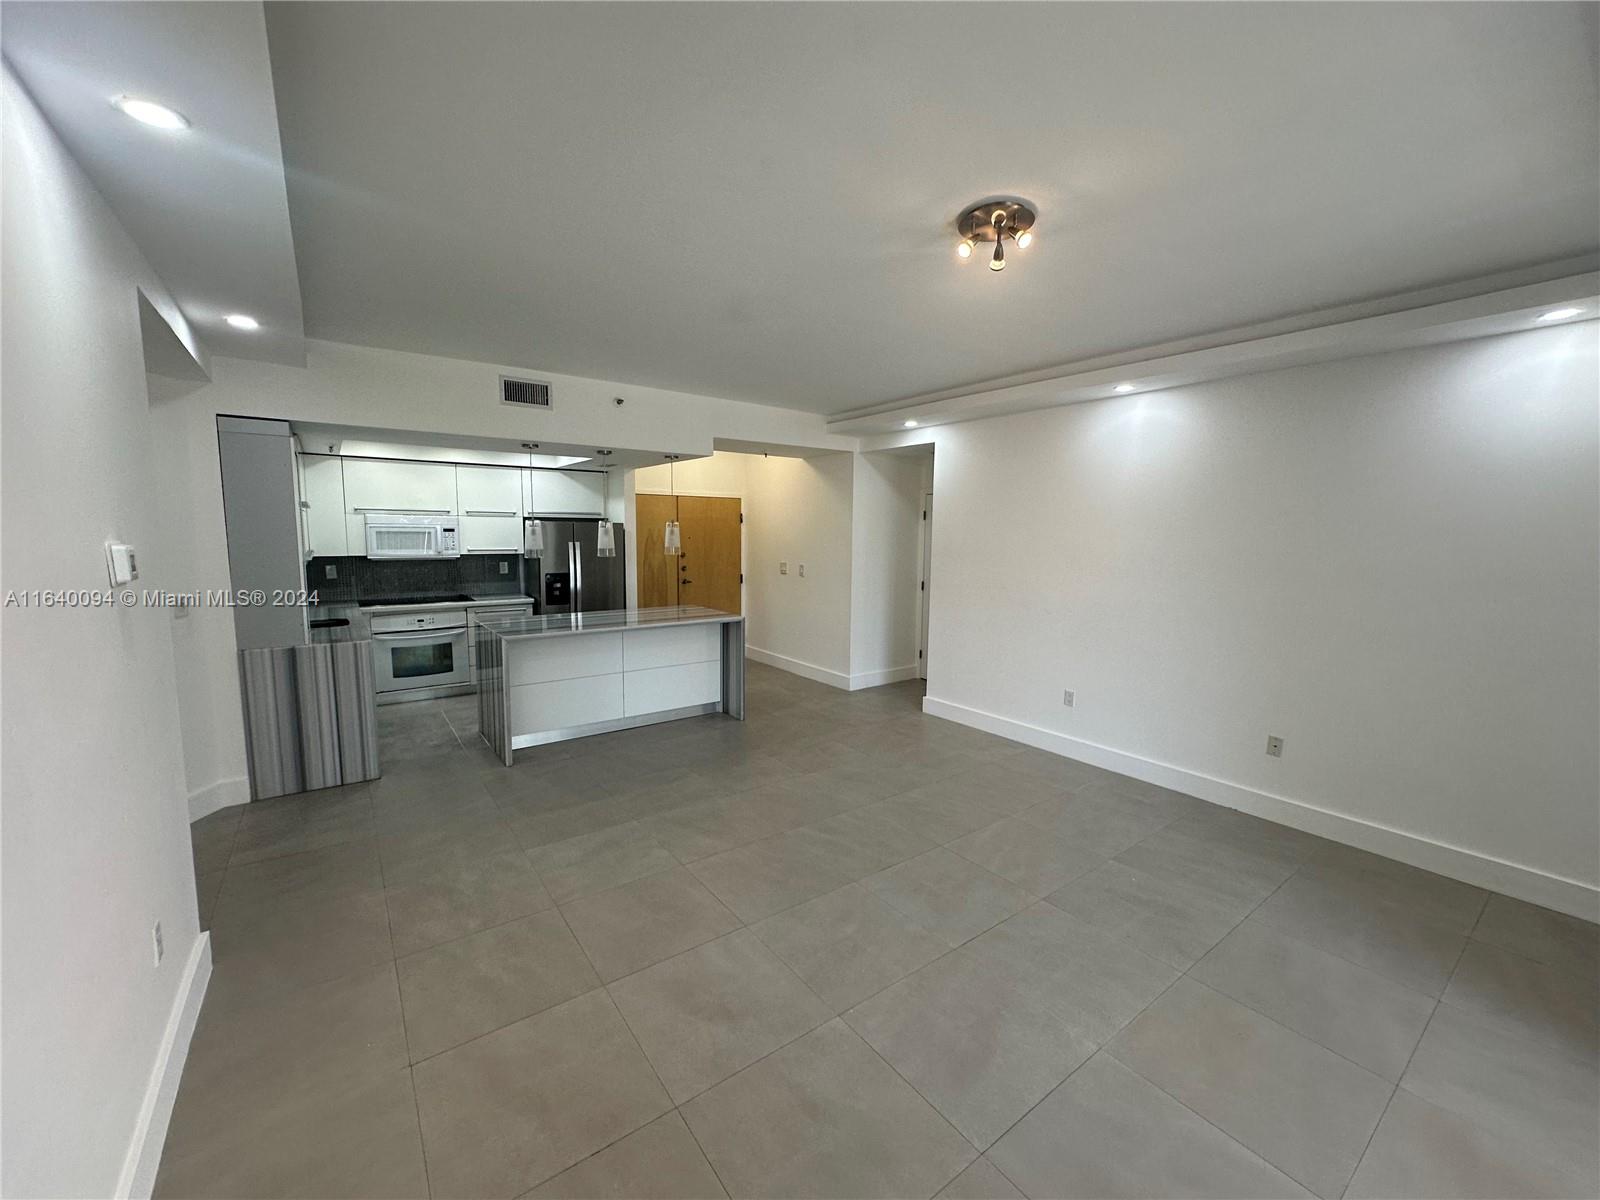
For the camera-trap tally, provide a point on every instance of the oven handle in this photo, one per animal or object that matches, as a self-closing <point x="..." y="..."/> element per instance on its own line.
<point x="424" y="635"/>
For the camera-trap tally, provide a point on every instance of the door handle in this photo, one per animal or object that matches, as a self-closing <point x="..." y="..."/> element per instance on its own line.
<point x="686" y="581"/>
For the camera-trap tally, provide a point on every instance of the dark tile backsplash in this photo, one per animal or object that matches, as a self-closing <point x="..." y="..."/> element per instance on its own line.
<point x="362" y="579"/>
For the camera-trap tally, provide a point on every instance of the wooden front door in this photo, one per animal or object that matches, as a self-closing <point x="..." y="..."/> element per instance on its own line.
<point x="658" y="571"/>
<point x="709" y="573"/>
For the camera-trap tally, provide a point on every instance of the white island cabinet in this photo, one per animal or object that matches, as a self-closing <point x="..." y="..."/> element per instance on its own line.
<point x="558" y="676"/>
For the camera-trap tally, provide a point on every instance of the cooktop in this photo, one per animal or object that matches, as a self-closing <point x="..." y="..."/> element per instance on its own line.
<point x="384" y="601"/>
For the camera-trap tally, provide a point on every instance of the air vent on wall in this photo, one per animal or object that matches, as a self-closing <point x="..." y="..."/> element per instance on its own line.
<point x="529" y="393"/>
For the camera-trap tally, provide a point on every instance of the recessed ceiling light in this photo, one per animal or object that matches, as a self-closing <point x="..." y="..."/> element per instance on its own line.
<point x="1123" y="387"/>
<point x="151" y="113"/>
<point x="1559" y="314"/>
<point x="240" y="321"/>
<point x="910" y="424"/>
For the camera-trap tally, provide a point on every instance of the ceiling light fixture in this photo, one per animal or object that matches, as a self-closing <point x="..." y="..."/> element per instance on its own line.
<point x="1123" y="387"/>
<point x="1559" y="314"/>
<point x="910" y="424"/>
<point x="240" y="321"/>
<point x="996" y="221"/>
<point x="149" y="112"/>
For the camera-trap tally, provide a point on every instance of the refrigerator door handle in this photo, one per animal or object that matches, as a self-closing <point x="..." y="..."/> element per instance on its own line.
<point x="575" y="561"/>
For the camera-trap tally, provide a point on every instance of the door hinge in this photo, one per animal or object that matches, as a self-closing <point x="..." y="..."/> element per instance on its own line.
<point x="919" y="653"/>
<point x="923" y="586"/>
<point x="741" y="576"/>
<point x="741" y="518"/>
<point x="924" y="514"/>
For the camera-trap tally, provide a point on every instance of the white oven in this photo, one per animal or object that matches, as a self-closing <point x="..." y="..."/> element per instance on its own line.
<point x="408" y="535"/>
<point x="418" y="655"/>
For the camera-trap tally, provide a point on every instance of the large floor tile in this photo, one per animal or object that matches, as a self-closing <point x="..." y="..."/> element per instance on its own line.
<point x="1366" y="1017"/>
<point x="1097" y="983"/>
<point x="331" y="872"/>
<point x="465" y="988"/>
<point x="1424" y="1151"/>
<point x="715" y="1009"/>
<point x="1528" y="1090"/>
<point x="848" y="944"/>
<point x="445" y="900"/>
<point x="1101" y="824"/>
<point x="825" y="1117"/>
<point x="1334" y="915"/>
<point x="862" y="841"/>
<point x="1232" y="873"/>
<point x="950" y="896"/>
<point x="597" y="861"/>
<point x="507" y="1111"/>
<point x="981" y="1044"/>
<point x="1385" y="881"/>
<point x="662" y="1161"/>
<point x="769" y="876"/>
<point x="1299" y="1106"/>
<point x="1036" y="860"/>
<point x="1542" y="935"/>
<point x="354" y="1137"/>
<point x="252" y="1054"/>
<point x="1156" y="911"/>
<point x="299" y="940"/>
<point x="1107" y="1132"/>
<point x="1524" y="997"/>
<point x="627" y="928"/>
<point x="981" y="1181"/>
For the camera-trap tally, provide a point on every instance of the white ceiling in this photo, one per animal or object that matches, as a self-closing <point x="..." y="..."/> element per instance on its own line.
<point x="207" y="205"/>
<point x="755" y="201"/>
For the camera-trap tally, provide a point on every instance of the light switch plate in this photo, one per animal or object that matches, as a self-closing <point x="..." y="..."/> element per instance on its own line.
<point x="121" y="563"/>
<point x="783" y="568"/>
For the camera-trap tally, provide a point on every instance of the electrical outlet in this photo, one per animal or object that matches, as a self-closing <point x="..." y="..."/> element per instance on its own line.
<point x="783" y="568"/>
<point x="1274" y="746"/>
<point x="802" y="570"/>
<point x="1069" y="698"/>
<point x="160" y="946"/>
<point x="505" y="568"/>
<point x="330" y="571"/>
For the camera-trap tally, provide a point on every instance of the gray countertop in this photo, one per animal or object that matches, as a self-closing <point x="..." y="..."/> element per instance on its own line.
<point x="567" y="624"/>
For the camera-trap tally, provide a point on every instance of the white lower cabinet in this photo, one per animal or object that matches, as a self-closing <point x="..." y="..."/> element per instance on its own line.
<point x="660" y="689"/>
<point x="565" y="703"/>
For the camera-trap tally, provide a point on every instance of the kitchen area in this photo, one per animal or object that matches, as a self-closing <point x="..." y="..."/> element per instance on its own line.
<point x="408" y="560"/>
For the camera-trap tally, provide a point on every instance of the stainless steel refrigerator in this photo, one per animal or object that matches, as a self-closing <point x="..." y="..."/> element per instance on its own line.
<point x="569" y="575"/>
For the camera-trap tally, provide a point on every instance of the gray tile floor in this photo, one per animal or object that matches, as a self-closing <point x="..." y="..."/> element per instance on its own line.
<point x="844" y="949"/>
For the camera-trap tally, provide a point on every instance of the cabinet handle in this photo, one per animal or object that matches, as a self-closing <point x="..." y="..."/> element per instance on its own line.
<point x="489" y="512"/>
<point x="420" y="512"/>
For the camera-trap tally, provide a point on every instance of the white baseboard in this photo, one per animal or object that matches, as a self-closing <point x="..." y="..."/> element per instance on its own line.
<point x="871" y="679"/>
<point x="138" y="1178"/>
<point x="838" y="679"/>
<point x="797" y="666"/>
<point x="218" y="795"/>
<point x="1513" y="879"/>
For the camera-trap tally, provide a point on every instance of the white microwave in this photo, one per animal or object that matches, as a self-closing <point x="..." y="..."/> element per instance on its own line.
<point x="398" y="535"/>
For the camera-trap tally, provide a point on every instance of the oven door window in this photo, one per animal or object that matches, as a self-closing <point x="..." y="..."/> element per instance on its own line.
<point x="422" y="660"/>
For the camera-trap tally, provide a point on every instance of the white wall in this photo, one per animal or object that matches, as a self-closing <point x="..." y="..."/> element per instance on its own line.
<point x="799" y="512"/>
<point x="723" y="473"/>
<point x="886" y="532"/>
<point x="1391" y="562"/>
<point x="96" y="838"/>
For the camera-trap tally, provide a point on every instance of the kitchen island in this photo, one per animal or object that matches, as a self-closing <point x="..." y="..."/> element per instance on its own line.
<point x="557" y="676"/>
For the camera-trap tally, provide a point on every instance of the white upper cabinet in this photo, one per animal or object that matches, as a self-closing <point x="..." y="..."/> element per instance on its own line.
<point x="489" y="491"/>
<point x="322" y="494"/>
<point x="566" y="493"/>
<point x="385" y="485"/>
